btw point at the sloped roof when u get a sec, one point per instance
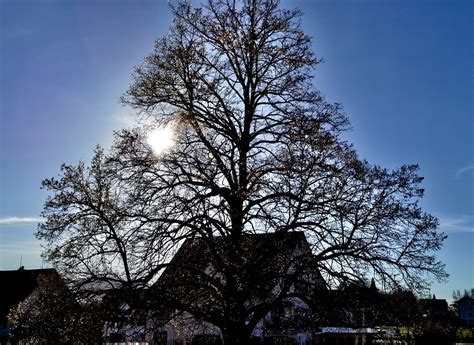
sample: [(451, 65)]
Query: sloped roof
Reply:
[(258, 260), (465, 299), (263, 250), (18, 285), (434, 303)]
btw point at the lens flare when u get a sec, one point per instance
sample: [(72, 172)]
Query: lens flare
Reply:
[(160, 139)]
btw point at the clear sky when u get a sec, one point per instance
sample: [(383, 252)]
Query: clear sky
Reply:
[(403, 70)]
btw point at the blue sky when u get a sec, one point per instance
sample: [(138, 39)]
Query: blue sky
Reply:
[(402, 69)]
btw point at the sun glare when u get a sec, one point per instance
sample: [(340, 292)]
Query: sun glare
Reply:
[(160, 139)]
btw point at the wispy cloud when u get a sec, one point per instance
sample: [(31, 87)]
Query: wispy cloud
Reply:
[(16, 220), (462, 223), (467, 169)]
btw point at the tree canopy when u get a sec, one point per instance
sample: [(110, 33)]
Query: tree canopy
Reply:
[(257, 149), (52, 315)]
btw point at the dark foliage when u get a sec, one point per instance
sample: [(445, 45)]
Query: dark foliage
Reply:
[(52, 315), (361, 306)]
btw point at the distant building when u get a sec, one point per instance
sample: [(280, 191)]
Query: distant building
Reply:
[(17, 285), (434, 308), (465, 310)]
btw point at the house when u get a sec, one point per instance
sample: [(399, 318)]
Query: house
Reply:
[(436, 309), (265, 260), (17, 285), (465, 309)]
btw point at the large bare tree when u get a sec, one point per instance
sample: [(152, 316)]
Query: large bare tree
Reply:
[(257, 150)]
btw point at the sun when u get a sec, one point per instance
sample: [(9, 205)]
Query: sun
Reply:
[(160, 139)]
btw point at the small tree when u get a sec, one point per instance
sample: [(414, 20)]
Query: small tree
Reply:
[(52, 315), (457, 295)]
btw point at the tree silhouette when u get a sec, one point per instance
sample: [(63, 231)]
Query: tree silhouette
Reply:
[(257, 150), (52, 315)]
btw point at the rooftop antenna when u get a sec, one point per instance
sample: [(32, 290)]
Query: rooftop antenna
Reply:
[(21, 263)]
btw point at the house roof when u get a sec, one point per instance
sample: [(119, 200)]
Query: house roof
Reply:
[(465, 299), (18, 285), (259, 260), (434, 303), (264, 250)]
